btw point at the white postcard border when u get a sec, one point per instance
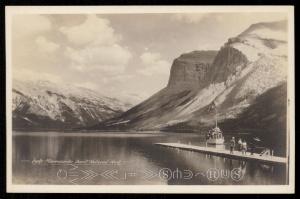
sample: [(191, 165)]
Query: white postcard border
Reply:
[(12, 10)]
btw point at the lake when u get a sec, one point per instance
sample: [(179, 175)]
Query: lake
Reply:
[(128, 158)]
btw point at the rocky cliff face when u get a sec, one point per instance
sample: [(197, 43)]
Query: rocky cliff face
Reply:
[(245, 67), (190, 69), (45, 105)]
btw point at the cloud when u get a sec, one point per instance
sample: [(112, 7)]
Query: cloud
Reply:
[(20, 74), (29, 25), (99, 49), (89, 85), (121, 78), (246, 18), (210, 46), (106, 58), (153, 64), (189, 18), (44, 45), (93, 30)]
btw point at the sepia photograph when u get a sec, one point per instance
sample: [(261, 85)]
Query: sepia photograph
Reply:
[(105, 98)]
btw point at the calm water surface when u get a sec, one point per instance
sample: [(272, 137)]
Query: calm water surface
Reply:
[(128, 158)]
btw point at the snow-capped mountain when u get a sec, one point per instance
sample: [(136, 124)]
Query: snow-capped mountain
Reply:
[(246, 67), (46, 105)]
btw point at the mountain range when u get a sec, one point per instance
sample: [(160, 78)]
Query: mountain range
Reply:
[(44, 105), (245, 81)]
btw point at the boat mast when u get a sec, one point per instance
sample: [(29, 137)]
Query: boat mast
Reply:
[(216, 116)]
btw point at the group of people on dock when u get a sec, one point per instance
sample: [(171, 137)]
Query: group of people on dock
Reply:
[(241, 146), (215, 134)]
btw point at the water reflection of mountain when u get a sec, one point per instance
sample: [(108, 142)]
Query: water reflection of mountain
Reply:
[(134, 154)]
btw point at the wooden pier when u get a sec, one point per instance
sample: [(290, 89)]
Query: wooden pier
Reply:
[(226, 153)]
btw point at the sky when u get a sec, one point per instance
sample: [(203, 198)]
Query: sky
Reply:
[(127, 56)]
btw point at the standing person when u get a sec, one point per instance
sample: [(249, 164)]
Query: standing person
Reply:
[(232, 145), (252, 147), (207, 136), (244, 147), (240, 143)]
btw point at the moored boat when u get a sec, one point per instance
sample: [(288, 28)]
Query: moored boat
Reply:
[(215, 135)]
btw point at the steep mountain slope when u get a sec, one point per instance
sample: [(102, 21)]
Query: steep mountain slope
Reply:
[(268, 112), (262, 67), (188, 75), (45, 105), (265, 118), (247, 66)]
